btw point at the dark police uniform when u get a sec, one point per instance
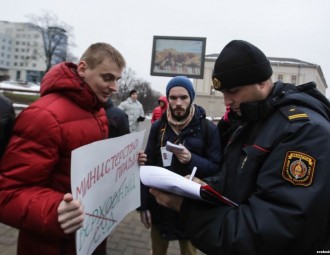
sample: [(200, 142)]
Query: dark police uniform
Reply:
[(276, 167)]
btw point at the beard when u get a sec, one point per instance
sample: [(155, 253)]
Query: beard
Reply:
[(180, 117)]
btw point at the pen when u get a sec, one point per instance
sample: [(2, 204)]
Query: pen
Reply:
[(193, 173)]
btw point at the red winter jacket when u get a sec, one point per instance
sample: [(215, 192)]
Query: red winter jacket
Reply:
[(35, 170), (158, 111)]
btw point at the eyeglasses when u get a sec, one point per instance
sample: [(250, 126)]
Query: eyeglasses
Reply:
[(176, 97)]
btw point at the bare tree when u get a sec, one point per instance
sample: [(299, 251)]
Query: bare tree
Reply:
[(56, 37), (126, 83), (129, 81)]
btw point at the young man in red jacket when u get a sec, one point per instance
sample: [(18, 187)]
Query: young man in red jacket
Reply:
[(35, 190)]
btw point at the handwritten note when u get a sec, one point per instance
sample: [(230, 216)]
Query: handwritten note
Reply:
[(105, 177)]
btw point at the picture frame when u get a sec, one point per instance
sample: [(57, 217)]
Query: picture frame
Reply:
[(175, 55)]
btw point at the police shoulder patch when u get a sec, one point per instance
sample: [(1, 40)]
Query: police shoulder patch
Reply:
[(293, 113), (298, 168)]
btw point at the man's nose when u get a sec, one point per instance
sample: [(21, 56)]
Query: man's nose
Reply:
[(113, 85)]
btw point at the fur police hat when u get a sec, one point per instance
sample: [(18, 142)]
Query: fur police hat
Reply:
[(181, 81), (240, 63)]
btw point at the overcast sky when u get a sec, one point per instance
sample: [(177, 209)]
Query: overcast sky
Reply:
[(280, 28)]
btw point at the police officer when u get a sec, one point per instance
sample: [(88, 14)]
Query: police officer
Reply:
[(275, 167)]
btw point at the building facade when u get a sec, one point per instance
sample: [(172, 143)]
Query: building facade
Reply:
[(285, 69), (22, 51)]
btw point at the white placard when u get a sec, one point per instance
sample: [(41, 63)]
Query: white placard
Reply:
[(105, 177)]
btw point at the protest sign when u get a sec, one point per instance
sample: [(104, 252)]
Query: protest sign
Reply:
[(105, 177)]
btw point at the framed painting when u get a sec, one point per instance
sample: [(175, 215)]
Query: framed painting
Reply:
[(172, 56)]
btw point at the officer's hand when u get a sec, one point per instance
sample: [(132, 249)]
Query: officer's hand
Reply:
[(183, 156), (70, 214), (145, 217), (171, 201)]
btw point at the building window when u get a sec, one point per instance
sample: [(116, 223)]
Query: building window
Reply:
[(294, 79), (280, 77)]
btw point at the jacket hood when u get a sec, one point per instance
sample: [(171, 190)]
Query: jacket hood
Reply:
[(163, 99), (63, 78)]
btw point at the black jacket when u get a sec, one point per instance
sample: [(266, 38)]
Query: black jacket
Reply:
[(117, 119), (276, 168), (7, 119), (206, 156)]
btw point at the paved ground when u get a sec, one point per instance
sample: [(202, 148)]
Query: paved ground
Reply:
[(129, 238)]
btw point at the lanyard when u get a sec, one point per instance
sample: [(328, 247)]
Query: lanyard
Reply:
[(163, 130)]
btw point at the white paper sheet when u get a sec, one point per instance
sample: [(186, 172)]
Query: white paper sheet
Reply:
[(161, 178)]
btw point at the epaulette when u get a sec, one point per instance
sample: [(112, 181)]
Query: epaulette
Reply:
[(293, 113)]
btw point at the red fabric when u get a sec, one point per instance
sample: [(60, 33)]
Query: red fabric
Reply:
[(35, 170), (158, 111), (225, 116)]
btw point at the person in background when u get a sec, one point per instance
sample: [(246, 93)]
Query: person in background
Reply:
[(186, 124), (159, 110), (35, 185), (118, 120), (134, 109), (275, 165), (7, 120)]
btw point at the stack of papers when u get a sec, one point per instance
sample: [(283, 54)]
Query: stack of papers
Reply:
[(163, 179)]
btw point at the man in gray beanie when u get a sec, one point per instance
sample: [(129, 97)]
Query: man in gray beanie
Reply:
[(275, 165), (183, 124)]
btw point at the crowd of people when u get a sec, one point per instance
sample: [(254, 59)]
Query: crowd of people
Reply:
[(268, 154)]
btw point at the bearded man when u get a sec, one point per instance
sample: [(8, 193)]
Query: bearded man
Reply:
[(184, 124)]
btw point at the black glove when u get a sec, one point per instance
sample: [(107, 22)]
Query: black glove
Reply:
[(140, 118)]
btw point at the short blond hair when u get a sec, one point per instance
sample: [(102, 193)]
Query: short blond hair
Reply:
[(97, 52)]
